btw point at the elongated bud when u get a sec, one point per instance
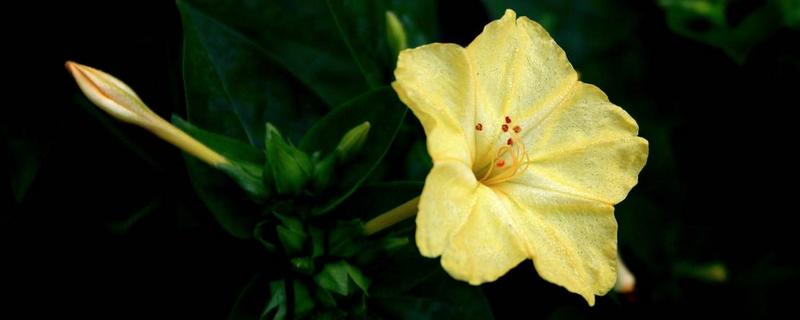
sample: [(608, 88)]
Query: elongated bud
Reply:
[(121, 102), (291, 167), (395, 33), (352, 142)]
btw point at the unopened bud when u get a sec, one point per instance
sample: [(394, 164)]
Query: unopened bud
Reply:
[(352, 142), (291, 167), (121, 102), (395, 33)]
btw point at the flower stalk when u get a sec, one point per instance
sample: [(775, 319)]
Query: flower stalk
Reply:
[(391, 217)]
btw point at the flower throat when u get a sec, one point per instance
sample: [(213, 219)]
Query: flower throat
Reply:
[(510, 159)]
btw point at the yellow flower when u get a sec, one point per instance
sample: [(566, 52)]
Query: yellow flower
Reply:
[(528, 160)]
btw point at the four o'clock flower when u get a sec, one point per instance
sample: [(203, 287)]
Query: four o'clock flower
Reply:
[(528, 160)]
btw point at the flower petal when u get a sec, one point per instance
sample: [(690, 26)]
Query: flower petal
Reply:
[(445, 204), (572, 240), (520, 70), (486, 246), (586, 146), (434, 81)]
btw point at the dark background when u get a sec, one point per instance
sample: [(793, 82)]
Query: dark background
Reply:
[(109, 226)]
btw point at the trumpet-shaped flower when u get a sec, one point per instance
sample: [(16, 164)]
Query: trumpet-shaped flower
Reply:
[(528, 160)]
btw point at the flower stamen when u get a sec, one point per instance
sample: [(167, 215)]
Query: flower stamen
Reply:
[(512, 153)]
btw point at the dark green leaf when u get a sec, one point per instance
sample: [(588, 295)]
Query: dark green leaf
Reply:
[(292, 240), (384, 112), (375, 199), (346, 238), (342, 54), (232, 208), (303, 302), (708, 22), (317, 242), (276, 308), (418, 18), (342, 278), (410, 286), (406, 285), (262, 233), (233, 149), (324, 297), (246, 162), (316, 53), (582, 28), (251, 300), (233, 86)]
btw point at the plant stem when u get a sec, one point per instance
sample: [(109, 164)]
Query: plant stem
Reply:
[(391, 217)]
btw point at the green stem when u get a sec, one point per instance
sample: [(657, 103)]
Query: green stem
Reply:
[(391, 217)]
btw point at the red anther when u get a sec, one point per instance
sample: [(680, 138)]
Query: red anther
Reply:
[(479, 126), (510, 142), (517, 129), (501, 163), (508, 119), (505, 128)]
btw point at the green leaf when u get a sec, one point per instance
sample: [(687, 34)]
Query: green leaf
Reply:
[(314, 53), (324, 297), (276, 308), (342, 278), (385, 114), (372, 200), (582, 28), (358, 278), (233, 86), (250, 302), (263, 235), (404, 284), (303, 302), (706, 21), (233, 149), (346, 238), (333, 277), (292, 240), (791, 12), (246, 162), (341, 55), (317, 242), (419, 20), (232, 208), (409, 286)]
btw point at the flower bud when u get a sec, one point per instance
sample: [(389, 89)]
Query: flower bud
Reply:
[(352, 141), (395, 33), (291, 167), (121, 102)]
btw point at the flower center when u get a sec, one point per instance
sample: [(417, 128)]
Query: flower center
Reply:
[(510, 159)]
